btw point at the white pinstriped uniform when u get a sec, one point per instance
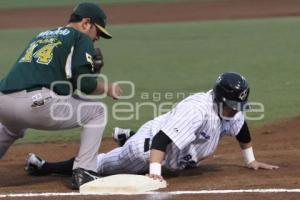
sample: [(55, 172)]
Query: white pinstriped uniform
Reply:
[(194, 127)]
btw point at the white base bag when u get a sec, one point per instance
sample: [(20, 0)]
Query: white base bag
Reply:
[(122, 184)]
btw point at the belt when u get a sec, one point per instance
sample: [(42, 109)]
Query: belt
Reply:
[(27, 90), (33, 89)]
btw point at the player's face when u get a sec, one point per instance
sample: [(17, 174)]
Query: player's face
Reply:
[(94, 33), (228, 112), (90, 29)]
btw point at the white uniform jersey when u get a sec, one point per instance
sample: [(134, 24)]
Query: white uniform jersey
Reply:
[(194, 128)]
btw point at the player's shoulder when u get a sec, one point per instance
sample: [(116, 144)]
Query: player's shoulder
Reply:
[(239, 116), (80, 40), (65, 33), (79, 33), (200, 99), (237, 121), (80, 36), (199, 102), (55, 32)]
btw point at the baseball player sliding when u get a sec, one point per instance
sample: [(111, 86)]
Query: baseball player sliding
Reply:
[(38, 90), (177, 140)]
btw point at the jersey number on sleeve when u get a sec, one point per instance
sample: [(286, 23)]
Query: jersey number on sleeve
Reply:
[(188, 162)]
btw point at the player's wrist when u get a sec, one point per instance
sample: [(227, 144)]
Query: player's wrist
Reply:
[(155, 168), (248, 155)]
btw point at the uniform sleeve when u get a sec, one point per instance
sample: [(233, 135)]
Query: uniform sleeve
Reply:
[(82, 63), (88, 84), (181, 125), (244, 134)]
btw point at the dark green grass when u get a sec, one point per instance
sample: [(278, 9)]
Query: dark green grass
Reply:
[(188, 57)]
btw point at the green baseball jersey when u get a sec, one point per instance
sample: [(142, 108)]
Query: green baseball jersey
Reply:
[(56, 57)]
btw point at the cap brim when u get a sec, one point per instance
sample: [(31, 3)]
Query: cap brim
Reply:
[(104, 32)]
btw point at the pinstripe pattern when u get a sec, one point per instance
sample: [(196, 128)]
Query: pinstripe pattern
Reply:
[(194, 127), (130, 158)]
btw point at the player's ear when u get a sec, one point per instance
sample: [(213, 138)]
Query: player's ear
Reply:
[(86, 23)]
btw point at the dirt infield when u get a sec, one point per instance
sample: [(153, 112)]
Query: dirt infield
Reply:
[(156, 12), (276, 143)]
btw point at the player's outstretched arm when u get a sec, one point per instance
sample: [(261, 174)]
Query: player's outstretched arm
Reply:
[(157, 154), (260, 165), (156, 157), (249, 158)]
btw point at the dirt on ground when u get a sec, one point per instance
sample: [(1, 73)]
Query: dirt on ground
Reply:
[(156, 12), (276, 143)]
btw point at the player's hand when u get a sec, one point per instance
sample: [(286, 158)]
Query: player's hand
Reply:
[(114, 91), (259, 165), (155, 177)]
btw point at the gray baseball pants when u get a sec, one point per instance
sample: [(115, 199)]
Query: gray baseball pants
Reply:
[(44, 110)]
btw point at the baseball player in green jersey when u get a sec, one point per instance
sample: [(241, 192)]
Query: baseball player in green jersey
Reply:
[(38, 91)]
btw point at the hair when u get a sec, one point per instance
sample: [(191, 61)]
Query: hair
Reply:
[(75, 18)]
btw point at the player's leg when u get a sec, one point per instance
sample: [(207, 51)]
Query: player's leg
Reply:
[(55, 113), (121, 135), (8, 137), (93, 121), (132, 158), (10, 129), (36, 166), (42, 109), (91, 116)]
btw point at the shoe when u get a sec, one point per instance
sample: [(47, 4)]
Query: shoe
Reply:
[(81, 176), (120, 135), (33, 165)]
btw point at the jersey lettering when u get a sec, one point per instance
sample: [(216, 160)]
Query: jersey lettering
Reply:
[(43, 55), (187, 157)]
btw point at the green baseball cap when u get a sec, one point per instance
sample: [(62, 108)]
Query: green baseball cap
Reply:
[(96, 14)]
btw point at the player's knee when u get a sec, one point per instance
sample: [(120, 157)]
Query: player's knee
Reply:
[(99, 110), (95, 111), (11, 134), (133, 163), (135, 151)]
